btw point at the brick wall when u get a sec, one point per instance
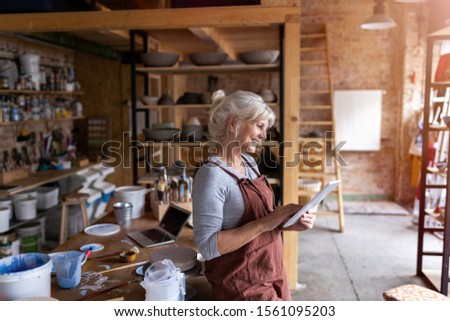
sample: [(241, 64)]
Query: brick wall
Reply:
[(385, 59)]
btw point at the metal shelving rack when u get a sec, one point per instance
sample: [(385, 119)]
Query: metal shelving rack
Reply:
[(438, 279)]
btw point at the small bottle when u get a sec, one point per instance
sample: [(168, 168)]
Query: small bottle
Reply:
[(174, 196), (183, 187), (163, 186)]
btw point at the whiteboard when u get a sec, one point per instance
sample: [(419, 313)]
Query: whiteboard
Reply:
[(357, 115)]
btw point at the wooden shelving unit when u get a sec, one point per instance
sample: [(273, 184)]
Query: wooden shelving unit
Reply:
[(31, 121), (39, 92), (208, 69), (438, 278)]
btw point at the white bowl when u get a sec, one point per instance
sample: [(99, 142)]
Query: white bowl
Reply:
[(149, 100)]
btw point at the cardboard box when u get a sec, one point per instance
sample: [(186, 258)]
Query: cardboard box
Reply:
[(8, 177)]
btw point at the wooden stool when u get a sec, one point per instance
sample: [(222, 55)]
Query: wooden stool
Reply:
[(67, 200), (412, 292)]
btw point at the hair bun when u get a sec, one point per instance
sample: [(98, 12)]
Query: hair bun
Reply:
[(218, 96)]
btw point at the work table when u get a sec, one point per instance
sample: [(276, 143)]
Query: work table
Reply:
[(100, 279)]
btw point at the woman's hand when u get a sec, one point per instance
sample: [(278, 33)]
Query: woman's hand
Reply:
[(305, 222), (278, 216)]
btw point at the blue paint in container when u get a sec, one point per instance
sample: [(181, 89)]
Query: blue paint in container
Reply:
[(25, 275)]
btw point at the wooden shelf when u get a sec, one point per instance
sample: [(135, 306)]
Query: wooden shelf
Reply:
[(37, 179), (185, 106), (200, 143), (39, 92), (207, 69), (180, 144), (23, 122)]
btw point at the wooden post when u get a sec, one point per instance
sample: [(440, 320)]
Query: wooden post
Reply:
[(291, 133)]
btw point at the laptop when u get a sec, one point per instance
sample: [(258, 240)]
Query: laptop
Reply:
[(168, 230)]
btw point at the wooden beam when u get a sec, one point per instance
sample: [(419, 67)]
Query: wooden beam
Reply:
[(296, 3), (146, 19), (212, 37), (291, 139)]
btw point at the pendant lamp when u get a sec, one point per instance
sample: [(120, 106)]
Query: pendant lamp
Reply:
[(379, 20)]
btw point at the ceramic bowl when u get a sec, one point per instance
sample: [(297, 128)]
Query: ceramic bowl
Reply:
[(208, 58), (167, 124), (159, 59), (150, 100), (127, 256), (259, 57), (160, 134)]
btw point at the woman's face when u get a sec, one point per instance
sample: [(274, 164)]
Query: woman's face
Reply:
[(251, 134)]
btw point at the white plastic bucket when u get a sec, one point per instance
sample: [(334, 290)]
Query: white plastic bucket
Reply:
[(25, 209), (7, 202), (30, 235), (134, 195), (24, 195), (25, 275), (106, 189), (92, 201), (4, 219)]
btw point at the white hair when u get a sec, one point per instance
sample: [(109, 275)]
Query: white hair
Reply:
[(245, 106)]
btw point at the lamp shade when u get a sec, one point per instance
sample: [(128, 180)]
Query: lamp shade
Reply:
[(379, 19), (378, 22)]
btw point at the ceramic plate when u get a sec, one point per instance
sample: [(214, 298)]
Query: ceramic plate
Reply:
[(56, 253), (94, 247), (102, 229)]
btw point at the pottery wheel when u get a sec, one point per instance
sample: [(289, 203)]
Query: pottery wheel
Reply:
[(182, 257)]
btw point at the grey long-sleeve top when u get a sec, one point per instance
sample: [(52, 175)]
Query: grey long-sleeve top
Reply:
[(217, 204)]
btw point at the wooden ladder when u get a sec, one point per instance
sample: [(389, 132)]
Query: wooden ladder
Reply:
[(318, 159)]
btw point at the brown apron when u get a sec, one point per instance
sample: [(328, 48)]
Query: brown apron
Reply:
[(255, 271)]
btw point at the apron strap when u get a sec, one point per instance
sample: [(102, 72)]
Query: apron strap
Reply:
[(250, 165)]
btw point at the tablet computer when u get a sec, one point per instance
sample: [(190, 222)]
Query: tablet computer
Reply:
[(320, 196)]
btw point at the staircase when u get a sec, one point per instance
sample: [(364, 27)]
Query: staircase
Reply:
[(317, 131)]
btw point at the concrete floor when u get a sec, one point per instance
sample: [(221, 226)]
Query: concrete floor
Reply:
[(374, 254)]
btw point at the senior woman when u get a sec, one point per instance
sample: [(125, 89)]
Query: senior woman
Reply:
[(237, 226)]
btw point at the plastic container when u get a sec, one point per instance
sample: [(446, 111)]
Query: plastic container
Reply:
[(29, 235), (24, 195), (47, 197), (134, 195), (25, 209), (25, 275), (107, 190), (4, 219), (7, 202), (68, 268), (92, 201), (103, 171), (164, 282), (84, 178)]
